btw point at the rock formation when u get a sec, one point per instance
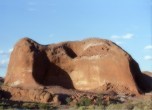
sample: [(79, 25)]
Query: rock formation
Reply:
[(145, 80), (88, 65)]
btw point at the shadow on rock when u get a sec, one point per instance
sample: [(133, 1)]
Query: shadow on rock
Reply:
[(145, 82), (48, 73), (5, 94), (62, 98), (136, 72)]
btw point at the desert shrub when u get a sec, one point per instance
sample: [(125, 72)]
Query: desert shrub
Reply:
[(84, 101), (26, 105), (29, 106), (68, 100), (99, 101), (43, 106)]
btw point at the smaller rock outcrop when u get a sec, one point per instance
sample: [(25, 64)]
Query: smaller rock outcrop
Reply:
[(32, 95)]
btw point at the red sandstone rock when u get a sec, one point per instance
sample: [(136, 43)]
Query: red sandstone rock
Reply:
[(86, 65), (35, 95)]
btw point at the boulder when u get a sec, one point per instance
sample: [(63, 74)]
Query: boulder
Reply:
[(86, 65)]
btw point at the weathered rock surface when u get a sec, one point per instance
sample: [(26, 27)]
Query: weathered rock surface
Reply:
[(34, 95), (87, 65)]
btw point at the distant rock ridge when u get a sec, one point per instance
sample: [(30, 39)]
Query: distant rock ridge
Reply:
[(89, 65)]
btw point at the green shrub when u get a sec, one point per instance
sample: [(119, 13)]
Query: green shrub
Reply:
[(68, 100), (29, 105), (99, 101), (43, 106), (84, 101), (25, 105)]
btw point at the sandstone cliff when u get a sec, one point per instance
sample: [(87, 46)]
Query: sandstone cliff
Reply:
[(90, 65)]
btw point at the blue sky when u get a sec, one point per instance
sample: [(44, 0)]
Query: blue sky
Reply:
[(126, 22)]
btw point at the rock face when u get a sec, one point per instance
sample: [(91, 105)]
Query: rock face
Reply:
[(88, 65)]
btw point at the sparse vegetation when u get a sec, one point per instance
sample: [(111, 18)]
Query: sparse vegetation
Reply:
[(99, 100), (25, 105), (144, 105), (84, 101), (68, 100)]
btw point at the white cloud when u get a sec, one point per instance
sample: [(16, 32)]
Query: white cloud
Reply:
[(3, 53), (148, 47), (148, 57), (126, 36), (10, 50), (4, 63), (4, 58), (6, 52)]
